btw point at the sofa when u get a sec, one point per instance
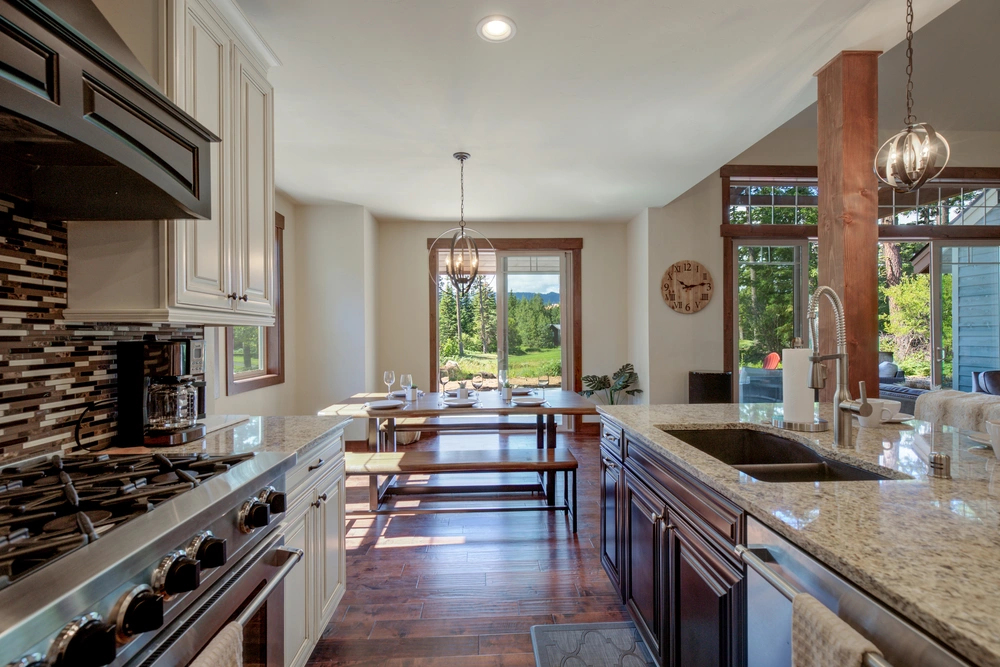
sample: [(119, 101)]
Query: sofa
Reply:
[(892, 386)]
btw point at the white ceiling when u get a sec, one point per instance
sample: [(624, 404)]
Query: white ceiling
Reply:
[(954, 64), (595, 110)]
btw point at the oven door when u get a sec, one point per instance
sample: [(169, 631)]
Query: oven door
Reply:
[(251, 594)]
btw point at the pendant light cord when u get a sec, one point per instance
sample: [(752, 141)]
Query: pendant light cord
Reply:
[(910, 118)]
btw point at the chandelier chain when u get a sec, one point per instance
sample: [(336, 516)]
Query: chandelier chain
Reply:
[(910, 118), (461, 220)]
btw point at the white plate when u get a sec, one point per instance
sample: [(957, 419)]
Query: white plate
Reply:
[(398, 392), (529, 400), (521, 391), (898, 418), (454, 392), (460, 402), (385, 405), (981, 438)]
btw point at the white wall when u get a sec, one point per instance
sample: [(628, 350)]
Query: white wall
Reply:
[(371, 278), (403, 291), (637, 299)]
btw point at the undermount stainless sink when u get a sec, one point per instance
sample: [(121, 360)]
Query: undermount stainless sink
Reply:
[(771, 458)]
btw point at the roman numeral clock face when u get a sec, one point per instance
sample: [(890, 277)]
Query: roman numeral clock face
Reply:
[(687, 287)]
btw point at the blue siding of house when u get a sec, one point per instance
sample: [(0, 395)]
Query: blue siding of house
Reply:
[(975, 315)]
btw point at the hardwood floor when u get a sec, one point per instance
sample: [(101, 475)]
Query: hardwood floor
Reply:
[(463, 590)]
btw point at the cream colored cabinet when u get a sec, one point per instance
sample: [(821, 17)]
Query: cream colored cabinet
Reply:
[(217, 271), (254, 189), (299, 638), (330, 558), (315, 523)]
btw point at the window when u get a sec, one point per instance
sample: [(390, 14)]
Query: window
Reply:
[(937, 259), (255, 356)]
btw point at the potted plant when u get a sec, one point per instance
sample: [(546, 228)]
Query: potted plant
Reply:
[(506, 391), (612, 387), (412, 392)]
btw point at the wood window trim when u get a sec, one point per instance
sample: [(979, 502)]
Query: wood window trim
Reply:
[(273, 335), (731, 234), (573, 245)]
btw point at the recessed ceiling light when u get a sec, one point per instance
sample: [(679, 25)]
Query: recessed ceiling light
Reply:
[(496, 28)]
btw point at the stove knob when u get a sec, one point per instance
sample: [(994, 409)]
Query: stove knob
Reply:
[(86, 642), (208, 550), (212, 552), (176, 573), (253, 515), (274, 499), (140, 610)]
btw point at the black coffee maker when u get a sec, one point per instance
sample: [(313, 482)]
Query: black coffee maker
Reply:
[(145, 362)]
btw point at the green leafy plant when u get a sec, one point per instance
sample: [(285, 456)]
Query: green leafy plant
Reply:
[(622, 381)]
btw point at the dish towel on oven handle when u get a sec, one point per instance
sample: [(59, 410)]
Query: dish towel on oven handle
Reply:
[(225, 649), (821, 639)]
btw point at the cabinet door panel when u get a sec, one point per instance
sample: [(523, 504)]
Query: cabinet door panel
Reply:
[(610, 536), (645, 570), (331, 551), (707, 600), (299, 627), (255, 188), (202, 273)]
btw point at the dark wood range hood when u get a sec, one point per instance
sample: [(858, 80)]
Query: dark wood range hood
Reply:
[(84, 132)]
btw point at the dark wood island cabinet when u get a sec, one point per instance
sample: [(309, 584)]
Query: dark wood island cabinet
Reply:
[(668, 545)]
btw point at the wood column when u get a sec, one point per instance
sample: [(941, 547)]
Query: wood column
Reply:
[(848, 210)]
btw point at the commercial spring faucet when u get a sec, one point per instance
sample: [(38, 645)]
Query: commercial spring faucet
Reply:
[(843, 405)]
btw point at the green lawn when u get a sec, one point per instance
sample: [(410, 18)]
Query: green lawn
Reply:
[(522, 368)]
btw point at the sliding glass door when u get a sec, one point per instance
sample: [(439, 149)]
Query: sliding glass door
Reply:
[(532, 312), (772, 292), (512, 319), (965, 303)]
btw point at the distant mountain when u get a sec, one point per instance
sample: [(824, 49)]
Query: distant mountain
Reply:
[(549, 298)]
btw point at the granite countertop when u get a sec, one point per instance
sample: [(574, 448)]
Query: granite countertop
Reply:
[(283, 435), (929, 548)]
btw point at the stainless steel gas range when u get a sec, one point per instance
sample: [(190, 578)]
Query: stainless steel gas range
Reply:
[(140, 560)]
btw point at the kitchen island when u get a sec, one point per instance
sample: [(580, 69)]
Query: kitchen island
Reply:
[(927, 548)]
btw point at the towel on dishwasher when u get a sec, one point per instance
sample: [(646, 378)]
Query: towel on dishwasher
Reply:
[(225, 649), (821, 639)]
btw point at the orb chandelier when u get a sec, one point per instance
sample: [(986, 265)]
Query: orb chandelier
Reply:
[(462, 260), (918, 153)]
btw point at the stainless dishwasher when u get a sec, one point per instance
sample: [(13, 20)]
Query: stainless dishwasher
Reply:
[(776, 570)]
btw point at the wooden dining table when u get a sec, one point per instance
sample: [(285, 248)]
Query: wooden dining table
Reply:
[(384, 424)]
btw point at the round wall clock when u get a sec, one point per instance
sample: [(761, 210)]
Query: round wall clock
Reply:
[(687, 287)]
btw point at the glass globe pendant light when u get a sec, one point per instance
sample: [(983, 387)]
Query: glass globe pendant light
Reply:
[(461, 263), (918, 153)]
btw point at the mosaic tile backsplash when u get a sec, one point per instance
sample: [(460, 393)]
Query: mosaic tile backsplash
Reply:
[(52, 369)]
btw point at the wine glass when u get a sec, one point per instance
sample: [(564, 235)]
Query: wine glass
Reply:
[(406, 381), (389, 377), (444, 381), (477, 381), (543, 382)]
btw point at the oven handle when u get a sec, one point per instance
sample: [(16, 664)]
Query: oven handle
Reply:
[(292, 558)]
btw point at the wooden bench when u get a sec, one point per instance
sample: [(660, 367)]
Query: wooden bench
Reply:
[(393, 464)]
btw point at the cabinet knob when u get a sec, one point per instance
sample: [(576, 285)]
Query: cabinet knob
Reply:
[(316, 504), (244, 298), (232, 296), (323, 497), (654, 517)]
